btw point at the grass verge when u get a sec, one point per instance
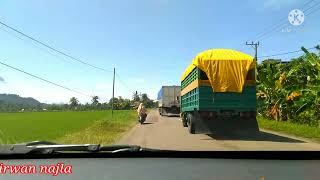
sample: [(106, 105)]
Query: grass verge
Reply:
[(104, 131), (298, 130)]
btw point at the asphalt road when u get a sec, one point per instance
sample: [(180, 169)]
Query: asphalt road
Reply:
[(163, 132)]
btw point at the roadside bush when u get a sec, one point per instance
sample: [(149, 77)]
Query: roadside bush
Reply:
[(308, 117), (290, 91)]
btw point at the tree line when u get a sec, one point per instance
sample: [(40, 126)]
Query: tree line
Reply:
[(119, 103)]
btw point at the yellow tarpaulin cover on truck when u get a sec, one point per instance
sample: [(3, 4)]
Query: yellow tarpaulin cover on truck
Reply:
[(226, 69)]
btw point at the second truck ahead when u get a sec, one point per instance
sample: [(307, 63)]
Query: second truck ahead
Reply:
[(169, 100)]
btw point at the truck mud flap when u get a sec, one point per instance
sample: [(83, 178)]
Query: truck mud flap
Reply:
[(226, 125)]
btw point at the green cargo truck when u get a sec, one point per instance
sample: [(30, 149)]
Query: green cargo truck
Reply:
[(218, 93)]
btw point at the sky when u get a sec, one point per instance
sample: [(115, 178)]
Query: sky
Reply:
[(149, 42)]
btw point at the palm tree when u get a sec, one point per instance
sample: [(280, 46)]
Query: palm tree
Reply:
[(73, 102), (135, 96), (95, 100)]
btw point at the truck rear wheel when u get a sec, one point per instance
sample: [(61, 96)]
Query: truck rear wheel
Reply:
[(184, 121), (162, 110), (190, 121)]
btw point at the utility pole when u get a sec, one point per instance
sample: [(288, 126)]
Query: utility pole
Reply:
[(114, 74), (255, 47)]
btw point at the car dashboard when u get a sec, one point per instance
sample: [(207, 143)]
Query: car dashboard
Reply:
[(167, 168)]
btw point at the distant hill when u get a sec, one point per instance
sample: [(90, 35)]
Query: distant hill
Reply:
[(15, 99)]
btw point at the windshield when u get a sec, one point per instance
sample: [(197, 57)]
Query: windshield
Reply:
[(161, 74)]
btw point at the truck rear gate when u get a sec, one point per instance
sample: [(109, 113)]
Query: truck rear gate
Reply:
[(169, 100), (220, 112)]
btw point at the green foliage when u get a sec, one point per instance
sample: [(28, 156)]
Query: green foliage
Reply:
[(120, 103), (290, 91), (136, 97), (148, 103), (95, 100), (142, 98), (73, 102), (307, 117)]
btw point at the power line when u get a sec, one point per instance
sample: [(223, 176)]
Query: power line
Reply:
[(50, 82), (123, 83), (310, 6), (41, 48), (284, 21), (54, 49), (285, 53), (272, 30), (305, 4), (283, 25), (313, 10), (58, 51)]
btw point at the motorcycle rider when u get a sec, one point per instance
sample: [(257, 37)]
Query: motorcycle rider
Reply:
[(142, 113)]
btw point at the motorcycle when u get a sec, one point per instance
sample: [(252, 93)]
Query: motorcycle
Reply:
[(142, 118)]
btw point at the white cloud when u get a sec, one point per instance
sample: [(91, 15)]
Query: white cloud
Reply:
[(1, 79)]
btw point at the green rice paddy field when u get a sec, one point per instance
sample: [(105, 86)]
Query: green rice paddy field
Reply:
[(65, 127)]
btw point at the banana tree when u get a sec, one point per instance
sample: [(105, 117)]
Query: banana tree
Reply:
[(313, 87), (290, 89), (269, 84)]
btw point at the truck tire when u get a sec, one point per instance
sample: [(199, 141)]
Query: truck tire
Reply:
[(163, 111), (184, 121), (190, 122)]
